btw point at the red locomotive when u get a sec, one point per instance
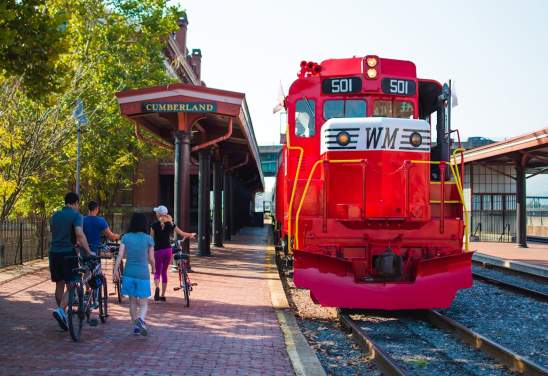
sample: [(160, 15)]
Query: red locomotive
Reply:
[(371, 209)]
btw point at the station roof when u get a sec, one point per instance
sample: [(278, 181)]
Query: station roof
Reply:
[(531, 148), (235, 150)]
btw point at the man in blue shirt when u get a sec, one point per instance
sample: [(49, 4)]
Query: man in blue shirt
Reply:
[(66, 233), (95, 226)]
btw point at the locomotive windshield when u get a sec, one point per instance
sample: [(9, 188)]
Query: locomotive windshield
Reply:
[(344, 109), (395, 109)]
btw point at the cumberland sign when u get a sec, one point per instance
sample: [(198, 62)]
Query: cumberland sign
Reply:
[(178, 107)]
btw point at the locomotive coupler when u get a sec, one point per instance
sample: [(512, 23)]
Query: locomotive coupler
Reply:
[(389, 264)]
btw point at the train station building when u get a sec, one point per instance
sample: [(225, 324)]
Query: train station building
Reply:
[(211, 167), (495, 188)]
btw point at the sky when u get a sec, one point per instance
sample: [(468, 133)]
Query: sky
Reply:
[(496, 52)]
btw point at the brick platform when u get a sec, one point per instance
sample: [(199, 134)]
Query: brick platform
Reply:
[(536, 253), (230, 327)]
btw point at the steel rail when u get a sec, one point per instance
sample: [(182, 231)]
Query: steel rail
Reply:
[(506, 269), (385, 363), (512, 360), (512, 287)]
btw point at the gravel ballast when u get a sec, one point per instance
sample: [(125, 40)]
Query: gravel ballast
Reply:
[(338, 353), (421, 349), (512, 277), (510, 319)]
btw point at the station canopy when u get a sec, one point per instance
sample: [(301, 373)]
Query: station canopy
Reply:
[(212, 116), (531, 150)]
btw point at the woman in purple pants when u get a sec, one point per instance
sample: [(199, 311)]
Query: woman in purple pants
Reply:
[(161, 231)]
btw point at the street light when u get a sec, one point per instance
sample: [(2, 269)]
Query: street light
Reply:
[(81, 121)]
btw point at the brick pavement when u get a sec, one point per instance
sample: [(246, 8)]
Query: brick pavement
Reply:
[(230, 327)]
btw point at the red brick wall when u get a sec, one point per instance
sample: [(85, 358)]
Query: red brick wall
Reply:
[(146, 187)]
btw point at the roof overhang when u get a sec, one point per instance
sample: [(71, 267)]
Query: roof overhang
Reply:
[(530, 149), (205, 126)]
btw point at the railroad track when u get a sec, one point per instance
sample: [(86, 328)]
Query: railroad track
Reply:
[(389, 366), (512, 287)]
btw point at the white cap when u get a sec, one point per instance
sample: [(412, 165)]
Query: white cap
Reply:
[(161, 210)]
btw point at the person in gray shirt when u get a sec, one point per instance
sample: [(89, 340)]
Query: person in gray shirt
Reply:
[(66, 234)]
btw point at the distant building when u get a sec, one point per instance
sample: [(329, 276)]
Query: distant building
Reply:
[(269, 158), (474, 142)]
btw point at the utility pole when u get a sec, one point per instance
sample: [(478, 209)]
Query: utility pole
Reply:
[(81, 120)]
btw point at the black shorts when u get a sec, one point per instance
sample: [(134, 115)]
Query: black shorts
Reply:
[(61, 265)]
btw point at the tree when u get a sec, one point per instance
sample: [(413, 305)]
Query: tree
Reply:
[(32, 39), (113, 45), (32, 137)]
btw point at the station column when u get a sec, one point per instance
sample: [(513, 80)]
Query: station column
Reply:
[(182, 180), (204, 234), (521, 204), (217, 203), (227, 196)]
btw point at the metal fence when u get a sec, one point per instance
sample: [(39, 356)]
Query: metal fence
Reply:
[(28, 239), (493, 218), (23, 240)]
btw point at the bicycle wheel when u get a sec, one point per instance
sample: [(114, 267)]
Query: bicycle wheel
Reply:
[(185, 286), (75, 311), (103, 301)]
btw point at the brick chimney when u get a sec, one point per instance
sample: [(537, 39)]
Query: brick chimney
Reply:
[(180, 35), (196, 61)]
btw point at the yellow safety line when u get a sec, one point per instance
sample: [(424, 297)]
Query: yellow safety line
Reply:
[(301, 202), (301, 152), (446, 201)]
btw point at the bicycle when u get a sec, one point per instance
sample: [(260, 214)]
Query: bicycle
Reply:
[(112, 248), (182, 260), (91, 284)]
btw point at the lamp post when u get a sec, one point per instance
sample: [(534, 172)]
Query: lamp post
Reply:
[(81, 120)]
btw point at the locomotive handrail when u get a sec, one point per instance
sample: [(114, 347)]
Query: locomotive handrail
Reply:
[(305, 191), (294, 189), (458, 183), (454, 169)]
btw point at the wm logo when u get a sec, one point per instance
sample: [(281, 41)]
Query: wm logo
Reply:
[(375, 135)]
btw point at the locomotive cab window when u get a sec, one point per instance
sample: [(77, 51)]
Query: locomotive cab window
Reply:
[(305, 118), (344, 109), (395, 109)]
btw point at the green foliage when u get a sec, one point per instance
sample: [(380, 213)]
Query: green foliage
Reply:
[(113, 45), (32, 39)]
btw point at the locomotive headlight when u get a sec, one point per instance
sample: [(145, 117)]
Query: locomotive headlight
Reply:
[(415, 139), (343, 138), (371, 61), (371, 73)]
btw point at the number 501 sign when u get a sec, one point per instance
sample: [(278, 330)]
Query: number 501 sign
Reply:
[(342, 85), (398, 86)]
